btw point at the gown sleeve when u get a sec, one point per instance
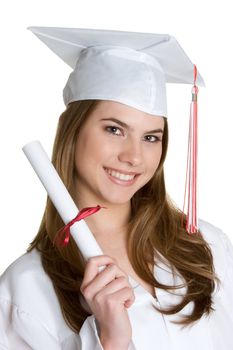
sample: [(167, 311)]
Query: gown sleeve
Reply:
[(89, 335), (220, 324), (226, 290), (19, 330)]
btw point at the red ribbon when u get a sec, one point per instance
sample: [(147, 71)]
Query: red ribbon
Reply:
[(62, 237)]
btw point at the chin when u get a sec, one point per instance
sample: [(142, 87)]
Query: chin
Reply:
[(117, 198)]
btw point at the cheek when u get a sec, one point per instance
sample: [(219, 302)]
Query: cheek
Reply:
[(153, 160), (92, 150)]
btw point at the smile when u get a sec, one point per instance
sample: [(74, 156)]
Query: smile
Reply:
[(119, 175), (121, 178)]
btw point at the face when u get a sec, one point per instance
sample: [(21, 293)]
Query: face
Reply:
[(117, 152)]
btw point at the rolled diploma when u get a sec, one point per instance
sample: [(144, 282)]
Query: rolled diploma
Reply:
[(61, 199)]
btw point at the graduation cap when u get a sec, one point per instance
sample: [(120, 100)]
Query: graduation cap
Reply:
[(131, 68)]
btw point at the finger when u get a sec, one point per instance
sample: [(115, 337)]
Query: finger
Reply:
[(92, 268), (122, 296), (107, 285), (129, 302), (110, 273), (112, 287), (103, 279)]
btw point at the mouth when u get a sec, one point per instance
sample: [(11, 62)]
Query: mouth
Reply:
[(121, 178)]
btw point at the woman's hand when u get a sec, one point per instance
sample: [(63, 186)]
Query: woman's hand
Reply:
[(109, 294)]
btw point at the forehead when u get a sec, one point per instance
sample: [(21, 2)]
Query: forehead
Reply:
[(127, 114)]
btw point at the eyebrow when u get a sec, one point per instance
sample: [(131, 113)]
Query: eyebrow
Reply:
[(129, 128)]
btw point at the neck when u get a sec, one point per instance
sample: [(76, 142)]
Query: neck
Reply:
[(108, 223)]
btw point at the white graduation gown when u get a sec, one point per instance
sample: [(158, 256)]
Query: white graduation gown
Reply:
[(30, 315)]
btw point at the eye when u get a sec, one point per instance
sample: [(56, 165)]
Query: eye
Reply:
[(153, 138), (118, 131), (113, 130)]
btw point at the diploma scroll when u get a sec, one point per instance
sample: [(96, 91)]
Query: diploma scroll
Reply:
[(61, 199)]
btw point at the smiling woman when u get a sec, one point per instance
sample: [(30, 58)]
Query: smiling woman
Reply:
[(162, 284), (104, 158)]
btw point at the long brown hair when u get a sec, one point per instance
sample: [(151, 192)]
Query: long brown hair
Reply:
[(155, 227)]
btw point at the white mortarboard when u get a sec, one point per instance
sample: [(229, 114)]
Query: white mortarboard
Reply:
[(126, 67), (131, 68)]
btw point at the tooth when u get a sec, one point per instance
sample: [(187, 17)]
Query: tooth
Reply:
[(119, 175)]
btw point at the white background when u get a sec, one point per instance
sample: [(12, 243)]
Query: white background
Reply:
[(32, 80)]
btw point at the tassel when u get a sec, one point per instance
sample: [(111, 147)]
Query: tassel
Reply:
[(191, 171)]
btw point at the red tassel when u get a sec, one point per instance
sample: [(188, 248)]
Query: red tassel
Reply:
[(191, 171)]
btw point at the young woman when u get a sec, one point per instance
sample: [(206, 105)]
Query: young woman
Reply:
[(162, 288)]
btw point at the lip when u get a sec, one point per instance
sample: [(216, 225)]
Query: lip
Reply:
[(122, 172), (121, 182)]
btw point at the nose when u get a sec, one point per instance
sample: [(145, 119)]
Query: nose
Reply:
[(131, 152)]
